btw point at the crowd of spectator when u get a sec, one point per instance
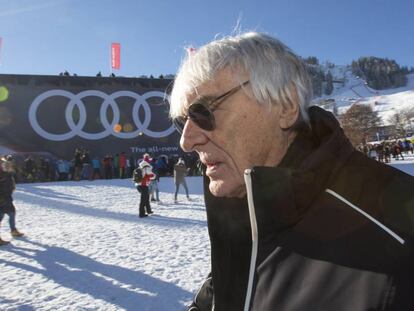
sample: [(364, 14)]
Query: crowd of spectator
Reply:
[(384, 151), (112, 75), (84, 166)]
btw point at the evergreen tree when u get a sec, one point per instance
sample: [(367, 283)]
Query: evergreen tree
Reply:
[(329, 84), (317, 77), (311, 60), (380, 73)]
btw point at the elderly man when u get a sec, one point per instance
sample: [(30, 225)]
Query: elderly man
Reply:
[(297, 218)]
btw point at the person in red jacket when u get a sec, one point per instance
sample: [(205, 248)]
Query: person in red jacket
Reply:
[(142, 187)]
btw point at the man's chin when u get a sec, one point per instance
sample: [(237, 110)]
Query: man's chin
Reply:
[(216, 189), (221, 188)]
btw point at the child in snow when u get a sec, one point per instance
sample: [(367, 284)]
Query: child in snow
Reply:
[(142, 184)]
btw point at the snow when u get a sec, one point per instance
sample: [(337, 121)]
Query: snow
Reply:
[(4, 150), (406, 165), (86, 249), (355, 90)]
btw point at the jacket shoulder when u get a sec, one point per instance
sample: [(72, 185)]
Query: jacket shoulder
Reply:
[(378, 189)]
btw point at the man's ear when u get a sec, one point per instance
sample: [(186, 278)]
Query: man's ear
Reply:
[(289, 110)]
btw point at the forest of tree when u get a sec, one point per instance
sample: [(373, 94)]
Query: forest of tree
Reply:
[(320, 83), (380, 73)]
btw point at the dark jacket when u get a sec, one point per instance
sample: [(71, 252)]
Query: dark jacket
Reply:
[(180, 171), (7, 186), (334, 232)]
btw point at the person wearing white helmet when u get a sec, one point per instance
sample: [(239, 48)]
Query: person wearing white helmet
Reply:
[(142, 177)]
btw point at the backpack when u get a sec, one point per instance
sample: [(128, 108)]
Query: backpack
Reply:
[(137, 175)]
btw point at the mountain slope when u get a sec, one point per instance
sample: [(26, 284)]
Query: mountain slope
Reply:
[(350, 89)]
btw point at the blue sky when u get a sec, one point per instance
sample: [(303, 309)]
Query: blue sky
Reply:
[(49, 36)]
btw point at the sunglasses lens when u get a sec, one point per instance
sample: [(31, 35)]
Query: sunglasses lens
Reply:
[(179, 124), (201, 116)]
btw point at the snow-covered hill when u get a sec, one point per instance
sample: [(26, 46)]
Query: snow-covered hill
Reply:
[(350, 89)]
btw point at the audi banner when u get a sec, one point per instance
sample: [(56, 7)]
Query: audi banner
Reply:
[(57, 114)]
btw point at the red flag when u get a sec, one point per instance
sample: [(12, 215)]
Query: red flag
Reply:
[(116, 55)]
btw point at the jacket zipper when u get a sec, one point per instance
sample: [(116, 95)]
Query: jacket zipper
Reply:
[(253, 224)]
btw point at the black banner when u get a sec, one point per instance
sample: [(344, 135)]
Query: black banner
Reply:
[(57, 114)]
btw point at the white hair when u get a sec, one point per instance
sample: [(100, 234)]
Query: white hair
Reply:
[(275, 72)]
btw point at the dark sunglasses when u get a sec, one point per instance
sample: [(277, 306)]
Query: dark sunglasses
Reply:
[(201, 111)]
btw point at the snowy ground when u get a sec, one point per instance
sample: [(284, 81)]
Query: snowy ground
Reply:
[(406, 165), (86, 248)]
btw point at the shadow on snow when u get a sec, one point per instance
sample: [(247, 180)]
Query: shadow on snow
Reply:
[(125, 288)]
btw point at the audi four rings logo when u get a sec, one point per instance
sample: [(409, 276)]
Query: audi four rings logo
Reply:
[(108, 100)]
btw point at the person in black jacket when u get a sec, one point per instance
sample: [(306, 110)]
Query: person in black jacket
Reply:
[(297, 218), (7, 186)]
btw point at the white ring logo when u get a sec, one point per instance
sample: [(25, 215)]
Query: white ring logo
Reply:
[(109, 100)]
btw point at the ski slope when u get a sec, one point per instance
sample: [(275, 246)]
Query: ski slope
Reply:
[(355, 90)]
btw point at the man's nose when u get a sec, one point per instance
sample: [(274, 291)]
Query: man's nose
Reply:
[(192, 136)]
